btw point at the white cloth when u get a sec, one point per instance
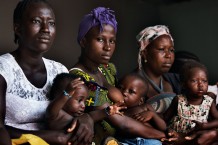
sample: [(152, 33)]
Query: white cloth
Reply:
[(25, 103), (214, 90)]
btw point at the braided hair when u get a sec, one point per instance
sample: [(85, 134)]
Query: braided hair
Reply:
[(19, 11)]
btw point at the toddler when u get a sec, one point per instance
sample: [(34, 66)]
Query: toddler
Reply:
[(191, 110)]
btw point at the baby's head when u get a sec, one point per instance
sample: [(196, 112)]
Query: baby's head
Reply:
[(98, 17), (75, 105), (194, 78), (134, 89)]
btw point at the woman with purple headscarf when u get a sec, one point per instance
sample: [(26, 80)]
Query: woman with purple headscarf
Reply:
[(97, 39)]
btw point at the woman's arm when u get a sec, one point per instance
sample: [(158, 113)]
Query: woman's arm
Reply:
[(5, 138), (171, 111), (158, 122), (131, 127)]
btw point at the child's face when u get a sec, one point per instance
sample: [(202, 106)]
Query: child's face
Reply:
[(133, 90), (197, 83), (75, 106), (99, 47)]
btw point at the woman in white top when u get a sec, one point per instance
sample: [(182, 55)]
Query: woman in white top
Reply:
[(26, 76)]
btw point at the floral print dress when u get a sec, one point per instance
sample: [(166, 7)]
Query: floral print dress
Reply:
[(187, 113)]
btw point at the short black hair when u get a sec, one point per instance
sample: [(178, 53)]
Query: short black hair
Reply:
[(187, 67), (138, 76), (59, 84), (20, 9)]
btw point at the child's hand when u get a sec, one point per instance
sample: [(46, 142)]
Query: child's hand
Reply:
[(72, 126), (73, 85), (115, 108), (144, 116)]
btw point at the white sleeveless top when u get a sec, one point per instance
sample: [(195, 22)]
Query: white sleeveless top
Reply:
[(25, 103)]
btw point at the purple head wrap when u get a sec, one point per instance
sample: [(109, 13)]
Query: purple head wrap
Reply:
[(98, 16)]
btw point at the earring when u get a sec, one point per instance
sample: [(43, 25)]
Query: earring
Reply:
[(145, 60)]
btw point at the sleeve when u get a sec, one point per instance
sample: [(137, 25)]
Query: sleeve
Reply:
[(5, 69)]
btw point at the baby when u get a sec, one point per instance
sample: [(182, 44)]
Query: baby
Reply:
[(69, 94), (134, 88)]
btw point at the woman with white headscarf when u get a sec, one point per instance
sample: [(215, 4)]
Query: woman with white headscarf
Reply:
[(155, 58)]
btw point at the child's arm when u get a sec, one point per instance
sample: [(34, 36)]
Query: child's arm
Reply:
[(154, 119), (107, 110), (56, 117), (158, 122)]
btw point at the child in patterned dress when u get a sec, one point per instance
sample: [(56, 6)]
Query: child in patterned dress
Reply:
[(193, 110)]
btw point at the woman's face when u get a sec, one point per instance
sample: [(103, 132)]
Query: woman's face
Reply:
[(98, 46), (37, 29), (159, 55)]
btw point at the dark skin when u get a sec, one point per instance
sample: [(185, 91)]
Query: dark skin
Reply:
[(97, 48), (160, 57), (36, 33), (73, 106), (196, 85), (134, 89)]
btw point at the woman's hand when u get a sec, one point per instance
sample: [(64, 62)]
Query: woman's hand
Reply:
[(174, 138), (83, 130), (206, 137)]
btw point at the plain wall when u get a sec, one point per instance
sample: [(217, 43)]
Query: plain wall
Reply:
[(193, 25), (69, 14)]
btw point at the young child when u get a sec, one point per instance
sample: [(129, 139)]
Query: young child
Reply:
[(191, 110), (69, 93), (134, 89)]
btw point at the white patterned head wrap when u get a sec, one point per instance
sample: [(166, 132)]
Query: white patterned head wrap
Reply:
[(149, 34)]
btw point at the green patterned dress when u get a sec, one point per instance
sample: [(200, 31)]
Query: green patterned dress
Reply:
[(98, 96)]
